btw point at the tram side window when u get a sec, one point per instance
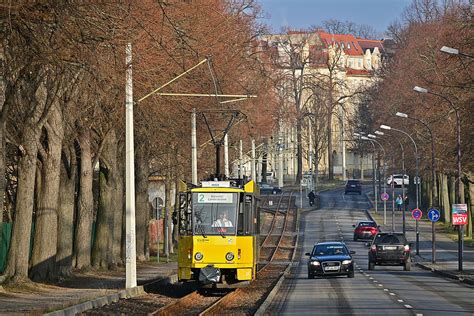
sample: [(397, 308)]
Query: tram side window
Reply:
[(184, 216)]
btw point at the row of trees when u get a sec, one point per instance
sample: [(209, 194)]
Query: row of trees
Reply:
[(426, 26), (62, 117)]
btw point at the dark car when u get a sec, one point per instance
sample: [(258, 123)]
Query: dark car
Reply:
[(330, 258), (365, 230), (353, 186), (390, 249), (266, 189)]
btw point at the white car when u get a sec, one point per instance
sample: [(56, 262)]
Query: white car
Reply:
[(397, 179)]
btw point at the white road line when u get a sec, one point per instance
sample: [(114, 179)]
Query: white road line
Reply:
[(371, 278), (400, 301), (386, 290), (419, 314), (393, 294), (408, 306), (380, 284)]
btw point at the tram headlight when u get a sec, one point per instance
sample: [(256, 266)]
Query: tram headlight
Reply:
[(198, 256), (229, 256)]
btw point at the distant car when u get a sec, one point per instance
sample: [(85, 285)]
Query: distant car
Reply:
[(397, 179), (266, 189), (330, 258), (353, 186), (365, 230), (390, 249)]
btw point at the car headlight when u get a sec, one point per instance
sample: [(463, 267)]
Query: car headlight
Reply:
[(198, 256), (346, 262), (229, 256), (315, 263)]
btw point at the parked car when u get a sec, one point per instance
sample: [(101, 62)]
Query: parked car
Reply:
[(365, 230), (330, 258), (390, 249), (266, 189), (353, 186), (397, 179)]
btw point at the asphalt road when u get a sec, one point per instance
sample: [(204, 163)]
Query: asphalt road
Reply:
[(387, 290)]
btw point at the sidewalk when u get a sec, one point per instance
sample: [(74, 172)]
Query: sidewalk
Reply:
[(38, 298), (446, 249)]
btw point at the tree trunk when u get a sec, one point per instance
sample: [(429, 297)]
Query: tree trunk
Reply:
[(2, 168), (17, 265), (445, 199), (85, 204), (102, 255), (119, 207), (299, 152), (452, 189), (67, 191), (330, 158), (141, 203), (43, 260)]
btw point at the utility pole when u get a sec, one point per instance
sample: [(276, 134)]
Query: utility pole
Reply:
[(226, 155), (194, 148), (241, 173), (252, 166), (130, 244)]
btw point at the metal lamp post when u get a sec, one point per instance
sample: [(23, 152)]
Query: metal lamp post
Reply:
[(434, 193), (453, 51), (417, 180), (373, 173), (459, 182), (383, 176)]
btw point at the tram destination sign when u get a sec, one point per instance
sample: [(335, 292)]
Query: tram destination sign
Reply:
[(215, 197)]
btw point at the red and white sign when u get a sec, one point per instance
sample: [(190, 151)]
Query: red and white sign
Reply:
[(459, 214)]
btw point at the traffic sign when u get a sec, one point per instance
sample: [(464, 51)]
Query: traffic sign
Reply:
[(459, 214), (384, 196), (416, 213), (434, 215), (304, 182)]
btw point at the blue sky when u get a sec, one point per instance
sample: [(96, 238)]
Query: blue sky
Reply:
[(305, 13)]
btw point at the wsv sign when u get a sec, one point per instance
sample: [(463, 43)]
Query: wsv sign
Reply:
[(459, 214)]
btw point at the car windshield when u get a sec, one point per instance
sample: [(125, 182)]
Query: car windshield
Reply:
[(329, 250), (390, 239), (366, 224), (214, 213)]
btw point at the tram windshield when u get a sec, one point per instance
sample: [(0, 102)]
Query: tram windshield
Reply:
[(215, 213)]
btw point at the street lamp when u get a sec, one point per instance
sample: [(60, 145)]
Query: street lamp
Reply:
[(383, 176), (434, 193), (403, 184), (373, 173), (453, 51), (459, 182), (417, 180)]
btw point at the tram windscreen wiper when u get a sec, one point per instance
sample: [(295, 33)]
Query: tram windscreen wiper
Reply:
[(221, 231), (200, 229)]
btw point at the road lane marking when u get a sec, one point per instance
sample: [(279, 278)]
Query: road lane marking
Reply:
[(400, 301), (408, 306), (386, 290), (392, 293)]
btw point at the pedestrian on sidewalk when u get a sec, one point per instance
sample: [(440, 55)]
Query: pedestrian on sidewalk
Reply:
[(311, 197), (399, 202)]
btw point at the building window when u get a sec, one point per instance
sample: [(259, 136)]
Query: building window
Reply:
[(348, 45)]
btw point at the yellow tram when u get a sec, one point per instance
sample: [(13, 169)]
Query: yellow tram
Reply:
[(218, 233)]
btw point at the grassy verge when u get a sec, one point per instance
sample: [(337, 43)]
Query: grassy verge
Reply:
[(453, 234)]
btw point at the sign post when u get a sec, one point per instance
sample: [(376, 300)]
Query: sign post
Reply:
[(459, 212), (434, 216), (384, 196), (157, 207)]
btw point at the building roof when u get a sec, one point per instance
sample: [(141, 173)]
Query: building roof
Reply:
[(370, 44), (348, 42)]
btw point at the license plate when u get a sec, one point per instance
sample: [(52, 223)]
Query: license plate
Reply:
[(390, 247), (353, 186), (331, 268)]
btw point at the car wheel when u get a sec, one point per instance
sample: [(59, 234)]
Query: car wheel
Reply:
[(345, 193), (407, 266), (355, 238), (310, 276), (371, 265), (360, 193), (350, 274)]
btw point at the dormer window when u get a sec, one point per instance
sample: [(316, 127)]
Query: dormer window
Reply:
[(348, 45)]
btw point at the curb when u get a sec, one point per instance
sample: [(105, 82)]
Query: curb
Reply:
[(268, 300), (445, 274), (99, 302), (112, 298)]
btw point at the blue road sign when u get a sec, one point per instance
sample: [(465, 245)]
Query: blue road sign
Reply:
[(434, 215), (416, 213)]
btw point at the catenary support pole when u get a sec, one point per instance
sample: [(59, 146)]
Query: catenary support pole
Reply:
[(130, 245), (194, 148)]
